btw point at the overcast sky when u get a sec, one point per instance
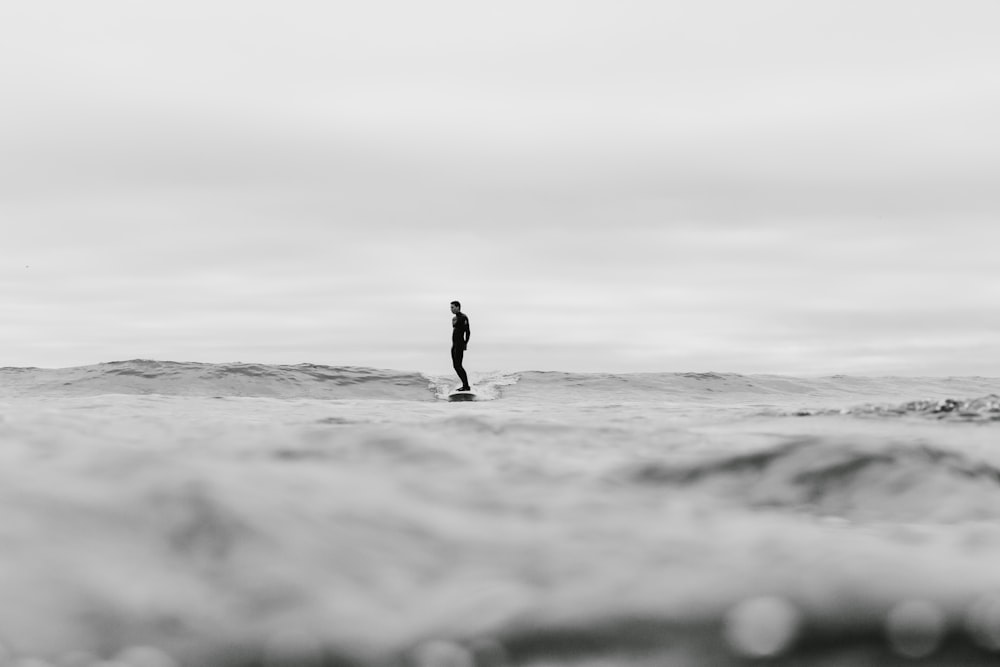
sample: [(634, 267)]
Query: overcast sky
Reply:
[(626, 185)]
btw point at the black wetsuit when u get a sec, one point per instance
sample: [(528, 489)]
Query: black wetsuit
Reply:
[(459, 339)]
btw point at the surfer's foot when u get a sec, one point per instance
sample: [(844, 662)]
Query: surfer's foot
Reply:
[(465, 389)]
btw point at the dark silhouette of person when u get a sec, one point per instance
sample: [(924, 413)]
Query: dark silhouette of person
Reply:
[(460, 334)]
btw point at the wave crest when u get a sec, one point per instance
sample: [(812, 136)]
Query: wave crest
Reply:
[(147, 376), (982, 409)]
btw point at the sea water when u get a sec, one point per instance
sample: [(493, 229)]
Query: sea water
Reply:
[(157, 513)]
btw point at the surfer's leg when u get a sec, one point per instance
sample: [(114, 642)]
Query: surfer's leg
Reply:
[(457, 354)]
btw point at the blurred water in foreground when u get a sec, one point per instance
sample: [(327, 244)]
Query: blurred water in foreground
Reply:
[(158, 514)]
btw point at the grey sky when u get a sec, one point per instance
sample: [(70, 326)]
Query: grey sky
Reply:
[(791, 187)]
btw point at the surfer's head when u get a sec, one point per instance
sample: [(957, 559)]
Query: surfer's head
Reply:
[(455, 306)]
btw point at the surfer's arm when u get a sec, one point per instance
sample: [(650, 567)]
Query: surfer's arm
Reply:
[(468, 332)]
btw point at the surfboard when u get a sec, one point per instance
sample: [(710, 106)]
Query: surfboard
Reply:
[(462, 396)]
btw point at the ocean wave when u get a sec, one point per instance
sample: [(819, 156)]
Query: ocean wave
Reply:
[(982, 409), (251, 532), (822, 395), (837, 390), (678, 384), (828, 476), (488, 386), (147, 376)]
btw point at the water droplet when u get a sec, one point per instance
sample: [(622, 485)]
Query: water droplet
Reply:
[(915, 628), (761, 627)]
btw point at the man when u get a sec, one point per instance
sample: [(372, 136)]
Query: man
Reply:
[(460, 334)]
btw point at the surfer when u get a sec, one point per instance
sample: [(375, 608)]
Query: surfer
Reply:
[(459, 341)]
